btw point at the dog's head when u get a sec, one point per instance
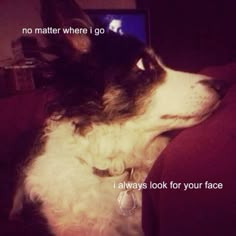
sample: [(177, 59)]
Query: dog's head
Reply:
[(114, 78)]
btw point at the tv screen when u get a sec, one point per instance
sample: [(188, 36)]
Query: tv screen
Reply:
[(131, 22)]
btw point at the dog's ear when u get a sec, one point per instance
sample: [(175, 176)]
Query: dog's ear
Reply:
[(62, 14)]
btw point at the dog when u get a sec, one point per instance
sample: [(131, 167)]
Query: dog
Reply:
[(115, 102)]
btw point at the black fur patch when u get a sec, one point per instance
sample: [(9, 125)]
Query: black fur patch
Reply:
[(105, 84)]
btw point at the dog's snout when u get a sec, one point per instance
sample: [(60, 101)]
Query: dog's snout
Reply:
[(219, 86)]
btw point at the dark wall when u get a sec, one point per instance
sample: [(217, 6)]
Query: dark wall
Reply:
[(189, 35)]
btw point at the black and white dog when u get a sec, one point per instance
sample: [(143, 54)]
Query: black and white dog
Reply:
[(115, 100)]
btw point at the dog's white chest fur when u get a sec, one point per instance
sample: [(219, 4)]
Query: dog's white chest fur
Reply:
[(63, 179)]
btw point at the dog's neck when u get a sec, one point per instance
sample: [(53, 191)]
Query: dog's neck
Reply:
[(125, 142)]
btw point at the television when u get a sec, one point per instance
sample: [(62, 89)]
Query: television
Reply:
[(131, 22)]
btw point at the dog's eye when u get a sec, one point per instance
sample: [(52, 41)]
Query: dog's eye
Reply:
[(140, 64)]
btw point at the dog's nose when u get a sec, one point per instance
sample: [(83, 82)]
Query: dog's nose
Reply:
[(219, 86)]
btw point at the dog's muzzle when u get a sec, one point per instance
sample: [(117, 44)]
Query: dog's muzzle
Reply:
[(219, 86)]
